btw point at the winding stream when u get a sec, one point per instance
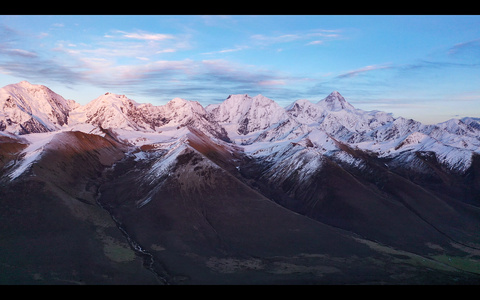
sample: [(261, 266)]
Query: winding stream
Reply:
[(148, 259)]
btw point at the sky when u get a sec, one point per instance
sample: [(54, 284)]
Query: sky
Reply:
[(425, 67)]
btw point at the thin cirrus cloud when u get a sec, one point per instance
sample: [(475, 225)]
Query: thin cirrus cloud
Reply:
[(465, 46), (119, 53), (239, 48), (119, 48), (146, 36), (317, 42), (365, 69), (139, 44), (20, 52), (319, 36), (292, 37), (272, 82)]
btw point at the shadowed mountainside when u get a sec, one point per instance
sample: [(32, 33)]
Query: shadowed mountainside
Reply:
[(243, 192)]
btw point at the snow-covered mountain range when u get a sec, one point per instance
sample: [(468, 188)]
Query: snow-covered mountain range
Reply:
[(243, 191), (257, 123)]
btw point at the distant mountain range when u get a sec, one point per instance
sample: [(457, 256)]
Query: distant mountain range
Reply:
[(240, 192)]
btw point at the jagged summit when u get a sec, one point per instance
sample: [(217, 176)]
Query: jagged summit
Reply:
[(247, 114), (335, 102), (306, 111), (29, 108), (109, 110), (119, 112)]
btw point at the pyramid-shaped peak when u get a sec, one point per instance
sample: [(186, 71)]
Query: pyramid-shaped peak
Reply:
[(262, 97), (335, 101), (334, 96)]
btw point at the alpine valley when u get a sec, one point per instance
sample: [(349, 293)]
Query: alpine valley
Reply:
[(240, 192)]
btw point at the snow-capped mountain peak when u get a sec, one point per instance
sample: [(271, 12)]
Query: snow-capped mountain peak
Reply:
[(109, 111), (305, 111), (335, 102), (247, 114), (232, 109), (184, 107), (115, 101), (27, 108)]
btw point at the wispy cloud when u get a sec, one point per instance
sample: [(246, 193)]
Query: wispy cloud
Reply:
[(317, 42), (190, 78), (423, 66), (272, 82), (365, 69), (221, 70), (162, 69), (26, 63), (135, 61), (275, 39), (19, 52), (121, 48), (143, 35), (132, 61), (239, 48), (460, 47), (168, 50), (118, 44), (298, 36)]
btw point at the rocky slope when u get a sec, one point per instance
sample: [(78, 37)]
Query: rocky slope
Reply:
[(242, 192)]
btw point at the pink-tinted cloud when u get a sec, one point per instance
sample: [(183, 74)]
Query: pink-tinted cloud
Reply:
[(356, 72)]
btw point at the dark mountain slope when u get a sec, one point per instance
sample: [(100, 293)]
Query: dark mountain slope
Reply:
[(367, 199), (10, 149), (53, 232), (199, 224), (431, 202)]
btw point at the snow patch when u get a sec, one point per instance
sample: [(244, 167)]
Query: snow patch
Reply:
[(37, 142)]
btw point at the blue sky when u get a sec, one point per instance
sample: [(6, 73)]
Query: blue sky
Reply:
[(424, 67)]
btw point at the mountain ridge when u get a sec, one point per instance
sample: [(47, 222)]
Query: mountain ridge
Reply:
[(244, 191), (245, 120), (333, 102)]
